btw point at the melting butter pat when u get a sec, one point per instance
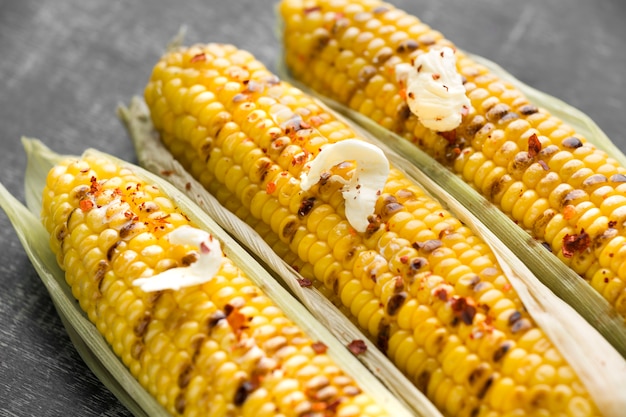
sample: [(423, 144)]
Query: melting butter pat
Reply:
[(208, 262), (434, 89), (361, 191)]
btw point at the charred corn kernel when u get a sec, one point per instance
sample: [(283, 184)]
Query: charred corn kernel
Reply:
[(217, 348), (531, 153), (427, 291)]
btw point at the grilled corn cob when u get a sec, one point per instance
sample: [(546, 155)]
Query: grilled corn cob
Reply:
[(219, 347), (425, 288), (535, 168)]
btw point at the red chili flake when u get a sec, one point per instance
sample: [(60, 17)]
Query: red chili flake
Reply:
[(464, 309), (161, 219), (319, 347), (441, 293), (506, 287), (270, 187), (201, 57), (86, 205), (575, 243), (316, 408), (236, 320), (534, 145), (402, 94), (436, 76), (404, 259), (357, 347), (352, 232), (298, 159), (96, 188), (476, 334), (278, 143), (304, 282), (569, 211), (450, 136)]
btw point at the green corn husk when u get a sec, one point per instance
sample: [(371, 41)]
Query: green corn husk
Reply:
[(94, 349), (553, 273), (598, 364)]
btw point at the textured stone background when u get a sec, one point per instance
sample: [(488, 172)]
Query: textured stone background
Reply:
[(66, 64)]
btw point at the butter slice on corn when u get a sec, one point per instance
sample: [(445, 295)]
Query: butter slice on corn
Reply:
[(425, 288), (219, 347)]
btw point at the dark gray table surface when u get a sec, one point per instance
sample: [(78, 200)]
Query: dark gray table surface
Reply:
[(66, 64)]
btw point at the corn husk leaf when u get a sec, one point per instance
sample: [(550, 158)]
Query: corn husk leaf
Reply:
[(94, 348), (153, 156), (553, 273)]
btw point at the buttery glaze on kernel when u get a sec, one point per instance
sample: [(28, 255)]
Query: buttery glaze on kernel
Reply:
[(427, 291), (217, 349), (328, 42)]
